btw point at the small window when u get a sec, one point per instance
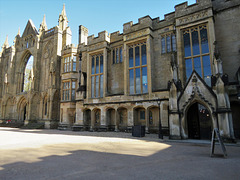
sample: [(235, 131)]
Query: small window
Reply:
[(168, 43), (142, 115), (117, 55), (97, 76), (69, 90)]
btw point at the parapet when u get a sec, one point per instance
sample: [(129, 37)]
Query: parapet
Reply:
[(184, 9), (143, 22), (102, 36), (69, 49), (116, 36), (49, 32)]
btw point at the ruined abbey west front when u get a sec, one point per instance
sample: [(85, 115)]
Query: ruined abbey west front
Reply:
[(181, 72)]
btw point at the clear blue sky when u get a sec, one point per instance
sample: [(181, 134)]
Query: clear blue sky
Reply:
[(96, 15)]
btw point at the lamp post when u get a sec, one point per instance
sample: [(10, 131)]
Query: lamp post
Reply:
[(160, 135)]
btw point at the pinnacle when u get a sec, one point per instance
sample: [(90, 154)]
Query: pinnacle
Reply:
[(6, 44)]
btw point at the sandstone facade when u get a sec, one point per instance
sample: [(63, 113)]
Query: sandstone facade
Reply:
[(182, 72)]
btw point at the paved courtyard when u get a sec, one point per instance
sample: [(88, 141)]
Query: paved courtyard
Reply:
[(55, 155)]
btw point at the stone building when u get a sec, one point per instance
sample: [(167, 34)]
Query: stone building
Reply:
[(182, 72)]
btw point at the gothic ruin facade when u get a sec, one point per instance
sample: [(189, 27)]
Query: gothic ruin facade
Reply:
[(182, 72)]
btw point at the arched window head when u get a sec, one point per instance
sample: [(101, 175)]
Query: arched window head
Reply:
[(28, 73)]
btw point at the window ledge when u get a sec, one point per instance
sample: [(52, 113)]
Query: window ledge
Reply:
[(138, 94)]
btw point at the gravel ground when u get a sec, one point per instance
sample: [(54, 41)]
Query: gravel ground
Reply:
[(54, 155)]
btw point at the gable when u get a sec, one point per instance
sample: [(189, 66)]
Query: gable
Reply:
[(30, 29), (196, 88)]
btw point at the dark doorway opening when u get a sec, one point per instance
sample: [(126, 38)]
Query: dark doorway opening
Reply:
[(199, 122), (236, 120), (25, 113)]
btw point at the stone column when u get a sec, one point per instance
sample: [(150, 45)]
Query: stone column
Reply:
[(180, 56), (79, 115), (104, 72), (125, 68), (149, 62), (147, 120), (130, 119), (211, 40), (88, 88), (103, 120), (116, 121), (92, 120)]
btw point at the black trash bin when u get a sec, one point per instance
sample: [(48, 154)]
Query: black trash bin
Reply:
[(138, 131)]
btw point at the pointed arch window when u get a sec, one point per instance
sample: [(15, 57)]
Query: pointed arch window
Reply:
[(28, 73)]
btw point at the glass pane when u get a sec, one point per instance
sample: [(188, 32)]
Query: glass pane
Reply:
[(204, 41), (74, 66), (131, 81), (168, 44), (138, 81), (120, 54), (137, 57), (130, 57), (63, 96), (73, 94), (188, 64), (74, 58), (92, 87), (113, 56), (144, 55), (101, 86), (65, 67), (195, 42), (207, 79), (163, 45), (67, 95), (142, 115), (117, 56), (144, 80), (97, 64), (174, 47), (197, 66), (187, 48), (97, 86), (93, 60), (101, 64), (206, 66), (73, 85)]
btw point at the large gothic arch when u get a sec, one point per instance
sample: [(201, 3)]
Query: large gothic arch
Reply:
[(21, 69)]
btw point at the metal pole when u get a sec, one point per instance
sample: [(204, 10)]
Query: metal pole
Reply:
[(160, 135)]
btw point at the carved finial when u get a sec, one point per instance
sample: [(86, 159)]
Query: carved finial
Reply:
[(43, 25), (62, 21), (6, 44), (18, 31), (63, 11)]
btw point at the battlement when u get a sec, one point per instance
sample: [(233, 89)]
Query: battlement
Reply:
[(70, 46), (184, 9), (102, 36), (116, 36), (143, 22)]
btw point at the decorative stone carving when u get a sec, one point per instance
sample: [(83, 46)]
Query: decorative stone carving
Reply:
[(194, 17)]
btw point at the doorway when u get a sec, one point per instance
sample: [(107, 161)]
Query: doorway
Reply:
[(199, 122)]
